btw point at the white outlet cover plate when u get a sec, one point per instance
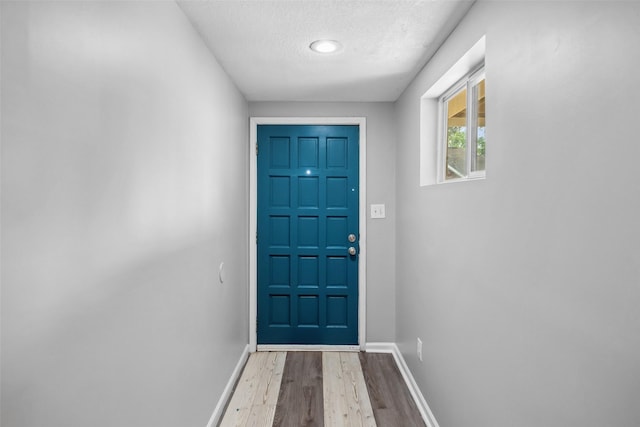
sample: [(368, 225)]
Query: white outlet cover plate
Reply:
[(377, 211)]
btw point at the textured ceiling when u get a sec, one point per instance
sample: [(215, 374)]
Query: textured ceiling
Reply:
[(263, 44)]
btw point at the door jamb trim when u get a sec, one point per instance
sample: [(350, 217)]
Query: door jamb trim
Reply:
[(361, 122)]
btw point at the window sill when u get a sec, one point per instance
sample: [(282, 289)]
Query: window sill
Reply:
[(471, 178)]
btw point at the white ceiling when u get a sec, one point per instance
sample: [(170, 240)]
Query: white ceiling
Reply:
[(264, 44)]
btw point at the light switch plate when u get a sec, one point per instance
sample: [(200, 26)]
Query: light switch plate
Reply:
[(377, 211)]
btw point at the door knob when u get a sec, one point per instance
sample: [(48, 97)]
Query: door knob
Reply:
[(352, 250), (352, 238)]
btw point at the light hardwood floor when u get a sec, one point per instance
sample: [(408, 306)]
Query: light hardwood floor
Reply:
[(321, 389)]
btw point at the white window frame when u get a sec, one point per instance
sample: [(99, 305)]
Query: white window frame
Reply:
[(430, 119), (468, 81)]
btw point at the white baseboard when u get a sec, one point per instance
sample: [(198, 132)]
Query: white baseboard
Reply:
[(423, 407), (218, 412)]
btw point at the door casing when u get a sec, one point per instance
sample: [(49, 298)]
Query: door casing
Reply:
[(361, 122)]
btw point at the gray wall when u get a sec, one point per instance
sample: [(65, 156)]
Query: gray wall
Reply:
[(525, 287), (380, 189), (124, 182)]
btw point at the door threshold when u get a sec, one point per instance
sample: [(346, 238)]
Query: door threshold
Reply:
[(310, 347)]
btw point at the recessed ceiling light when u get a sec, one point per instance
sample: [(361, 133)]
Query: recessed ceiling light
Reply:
[(325, 46)]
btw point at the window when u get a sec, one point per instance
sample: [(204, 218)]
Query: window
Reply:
[(452, 120), (462, 141)]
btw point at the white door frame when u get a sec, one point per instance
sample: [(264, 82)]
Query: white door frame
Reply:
[(253, 221)]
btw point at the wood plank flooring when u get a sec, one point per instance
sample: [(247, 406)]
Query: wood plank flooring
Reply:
[(390, 397), (301, 389), (291, 389)]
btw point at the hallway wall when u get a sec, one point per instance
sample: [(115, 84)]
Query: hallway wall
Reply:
[(524, 287), (124, 185), (380, 189)]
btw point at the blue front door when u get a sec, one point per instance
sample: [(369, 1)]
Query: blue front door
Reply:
[(307, 234)]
